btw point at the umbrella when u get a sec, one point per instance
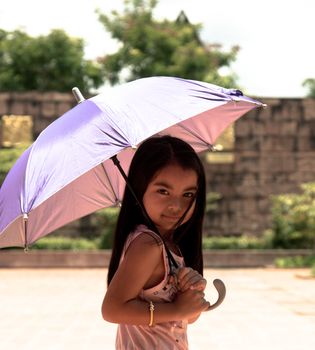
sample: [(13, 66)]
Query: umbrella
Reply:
[(68, 172)]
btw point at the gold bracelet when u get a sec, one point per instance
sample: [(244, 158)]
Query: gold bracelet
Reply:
[(151, 308)]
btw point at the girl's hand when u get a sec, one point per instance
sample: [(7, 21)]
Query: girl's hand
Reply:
[(190, 279), (191, 303)]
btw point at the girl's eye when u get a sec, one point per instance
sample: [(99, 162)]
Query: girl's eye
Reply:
[(189, 194), (162, 191)]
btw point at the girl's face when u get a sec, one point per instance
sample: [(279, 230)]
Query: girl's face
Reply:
[(168, 195)]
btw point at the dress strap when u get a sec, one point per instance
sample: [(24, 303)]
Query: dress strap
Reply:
[(172, 263)]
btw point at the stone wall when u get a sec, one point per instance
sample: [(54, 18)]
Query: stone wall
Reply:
[(43, 107), (274, 153)]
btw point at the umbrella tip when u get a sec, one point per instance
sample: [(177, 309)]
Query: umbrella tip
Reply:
[(77, 95), (212, 148)]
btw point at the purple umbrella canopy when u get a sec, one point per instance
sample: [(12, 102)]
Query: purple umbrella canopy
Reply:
[(67, 172)]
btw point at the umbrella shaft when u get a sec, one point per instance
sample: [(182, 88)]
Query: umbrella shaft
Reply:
[(25, 220)]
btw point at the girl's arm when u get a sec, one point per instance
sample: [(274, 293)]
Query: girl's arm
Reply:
[(121, 305)]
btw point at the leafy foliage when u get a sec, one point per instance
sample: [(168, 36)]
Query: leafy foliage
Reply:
[(212, 199), (295, 261), (105, 242), (310, 85), (65, 243), (45, 63), (293, 219), (152, 48), (106, 222), (242, 242)]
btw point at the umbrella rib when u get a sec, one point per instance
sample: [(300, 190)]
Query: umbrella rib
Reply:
[(110, 184)]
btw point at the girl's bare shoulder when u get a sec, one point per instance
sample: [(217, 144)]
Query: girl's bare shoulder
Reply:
[(145, 245)]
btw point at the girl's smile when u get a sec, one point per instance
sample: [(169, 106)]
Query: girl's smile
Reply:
[(168, 196)]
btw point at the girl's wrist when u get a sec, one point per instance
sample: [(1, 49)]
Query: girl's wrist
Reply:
[(165, 312), (178, 311)]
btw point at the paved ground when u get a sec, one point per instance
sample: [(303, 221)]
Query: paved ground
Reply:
[(55, 309)]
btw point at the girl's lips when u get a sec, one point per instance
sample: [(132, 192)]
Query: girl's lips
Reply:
[(171, 218)]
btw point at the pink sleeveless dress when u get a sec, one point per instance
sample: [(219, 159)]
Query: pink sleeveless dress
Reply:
[(162, 336)]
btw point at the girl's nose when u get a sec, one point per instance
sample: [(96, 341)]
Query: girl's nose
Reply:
[(175, 205)]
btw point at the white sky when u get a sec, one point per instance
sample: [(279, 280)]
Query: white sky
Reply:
[(277, 37)]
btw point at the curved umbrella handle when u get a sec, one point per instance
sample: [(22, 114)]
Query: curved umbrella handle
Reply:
[(220, 287)]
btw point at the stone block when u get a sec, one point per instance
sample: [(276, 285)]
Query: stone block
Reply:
[(243, 128), (272, 127), (249, 205), (4, 103), (59, 97), (250, 179), (303, 130), (307, 176), (277, 163), (263, 205), (258, 129), (305, 144), (290, 109), (235, 205), (63, 107), (48, 109), (249, 191), (248, 165), (23, 96), (288, 128), (270, 102), (294, 108), (309, 109), (246, 144), (16, 129), (17, 108), (264, 114), (306, 162), (40, 125), (33, 107), (50, 96), (280, 143)]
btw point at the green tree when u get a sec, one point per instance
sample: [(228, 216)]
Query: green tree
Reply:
[(150, 47), (310, 85), (45, 63)]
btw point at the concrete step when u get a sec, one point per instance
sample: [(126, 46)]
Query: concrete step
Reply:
[(90, 259)]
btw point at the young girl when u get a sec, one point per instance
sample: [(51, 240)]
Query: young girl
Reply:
[(155, 283)]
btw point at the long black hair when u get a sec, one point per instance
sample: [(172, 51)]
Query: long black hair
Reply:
[(152, 155)]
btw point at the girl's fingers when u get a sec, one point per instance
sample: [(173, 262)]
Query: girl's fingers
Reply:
[(190, 279), (199, 285), (207, 306), (186, 275), (183, 271), (190, 282), (195, 282)]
